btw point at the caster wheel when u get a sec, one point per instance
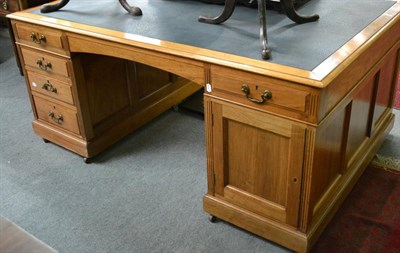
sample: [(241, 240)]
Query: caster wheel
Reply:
[(45, 141), (212, 218), (175, 108), (87, 160)]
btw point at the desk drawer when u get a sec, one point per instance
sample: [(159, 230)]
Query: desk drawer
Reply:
[(40, 37), (45, 63), (50, 87), (57, 114), (228, 84)]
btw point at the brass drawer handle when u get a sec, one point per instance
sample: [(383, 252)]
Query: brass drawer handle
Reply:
[(57, 119), (43, 66), (5, 5), (49, 87), (38, 39), (265, 96)]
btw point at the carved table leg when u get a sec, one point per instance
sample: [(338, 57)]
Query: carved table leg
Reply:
[(53, 7), (136, 11), (288, 8), (225, 15), (266, 52)]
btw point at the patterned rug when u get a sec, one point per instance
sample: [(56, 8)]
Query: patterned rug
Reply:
[(369, 219), (386, 163)]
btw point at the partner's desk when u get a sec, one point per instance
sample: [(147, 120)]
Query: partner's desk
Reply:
[(281, 158)]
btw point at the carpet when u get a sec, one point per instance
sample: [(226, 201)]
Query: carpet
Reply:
[(369, 219), (14, 239)]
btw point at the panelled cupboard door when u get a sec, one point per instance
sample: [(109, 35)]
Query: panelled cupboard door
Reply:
[(258, 161)]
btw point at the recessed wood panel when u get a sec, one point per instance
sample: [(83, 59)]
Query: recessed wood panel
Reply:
[(107, 85), (258, 161), (360, 121), (328, 155), (253, 164), (150, 80), (384, 86)]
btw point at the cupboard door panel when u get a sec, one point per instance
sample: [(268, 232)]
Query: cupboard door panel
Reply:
[(385, 79), (258, 161)]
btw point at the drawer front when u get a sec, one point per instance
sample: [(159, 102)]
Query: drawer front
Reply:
[(50, 87), (40, 37), (257, 91), (45, 63), (56, 114)]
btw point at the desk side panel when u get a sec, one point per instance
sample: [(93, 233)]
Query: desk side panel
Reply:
[(353, 71), (346, 141)]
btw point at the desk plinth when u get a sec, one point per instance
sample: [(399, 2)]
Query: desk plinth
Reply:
[(278, 166)]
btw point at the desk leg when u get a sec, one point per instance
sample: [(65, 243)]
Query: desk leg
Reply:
[(288, 8), (266, 52), (53, 7), (225, 15), (135, 11)]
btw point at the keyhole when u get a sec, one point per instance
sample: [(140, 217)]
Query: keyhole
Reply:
[(295, 180), (256, 87)]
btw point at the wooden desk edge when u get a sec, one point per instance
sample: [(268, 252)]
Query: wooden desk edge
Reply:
[(345, 55)]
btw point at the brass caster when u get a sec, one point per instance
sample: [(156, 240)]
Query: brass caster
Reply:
[(87, 160), (212, 218)]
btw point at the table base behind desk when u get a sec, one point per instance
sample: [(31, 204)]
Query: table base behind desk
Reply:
[(278, 166)]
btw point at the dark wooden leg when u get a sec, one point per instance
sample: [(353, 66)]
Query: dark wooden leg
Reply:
[(53, 7), (266, 52), (136, 11), (288, 8), (225, 15)]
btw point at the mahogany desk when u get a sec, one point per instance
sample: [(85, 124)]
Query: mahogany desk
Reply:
[(286, 139)]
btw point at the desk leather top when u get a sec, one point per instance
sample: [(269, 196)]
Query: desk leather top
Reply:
[(302, 46)]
